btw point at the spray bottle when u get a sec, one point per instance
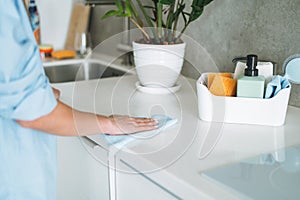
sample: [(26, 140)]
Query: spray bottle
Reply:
[(35, 20)]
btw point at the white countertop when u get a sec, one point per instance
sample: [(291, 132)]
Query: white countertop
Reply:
[(177, 157)]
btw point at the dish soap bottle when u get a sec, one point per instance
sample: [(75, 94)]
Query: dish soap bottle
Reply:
[(34, 20), (251, 85)]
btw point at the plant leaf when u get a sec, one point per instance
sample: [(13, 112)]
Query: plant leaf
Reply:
[(197, 9), (155, 1), (206, 2), (149, 7), (128, 8), (110, 13), (119, 4), (196, 13), (118, 13), (167, 2)]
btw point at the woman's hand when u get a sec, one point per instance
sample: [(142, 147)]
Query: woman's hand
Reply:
[(122, 124)]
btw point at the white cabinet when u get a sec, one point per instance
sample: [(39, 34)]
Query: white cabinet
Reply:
[(80, 175), (132, 185), (83, 175)]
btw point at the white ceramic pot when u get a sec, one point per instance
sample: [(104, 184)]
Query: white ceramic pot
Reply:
[(158, 65)]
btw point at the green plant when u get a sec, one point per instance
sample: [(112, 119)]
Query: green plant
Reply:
[(162, 17)]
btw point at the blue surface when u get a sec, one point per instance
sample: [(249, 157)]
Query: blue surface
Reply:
[(27, 157)]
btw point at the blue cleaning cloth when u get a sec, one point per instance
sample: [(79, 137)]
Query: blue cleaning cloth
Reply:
[(278, 83), (164, 122)]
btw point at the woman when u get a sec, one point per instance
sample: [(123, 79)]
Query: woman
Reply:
[(28, 109)]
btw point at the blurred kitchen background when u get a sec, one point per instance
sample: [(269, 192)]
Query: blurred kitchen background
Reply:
[(227, 29)]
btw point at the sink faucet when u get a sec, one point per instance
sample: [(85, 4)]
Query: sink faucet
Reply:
[(125, 44)]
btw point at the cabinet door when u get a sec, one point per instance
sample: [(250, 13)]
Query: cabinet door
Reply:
[(136, 186), (80, 175)]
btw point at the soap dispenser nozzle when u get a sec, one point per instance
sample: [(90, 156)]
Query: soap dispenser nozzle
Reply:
[(251, 65)]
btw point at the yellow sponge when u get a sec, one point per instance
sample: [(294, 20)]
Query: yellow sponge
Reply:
[(211, 77), (223, 86), (62, 54)]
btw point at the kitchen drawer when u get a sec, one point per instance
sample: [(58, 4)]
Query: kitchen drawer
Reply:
[(80, 174), (134, 185)]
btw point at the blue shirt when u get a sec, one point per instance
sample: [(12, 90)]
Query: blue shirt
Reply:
[(27, 157)]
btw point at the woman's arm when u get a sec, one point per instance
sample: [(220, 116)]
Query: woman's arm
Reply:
[(65, 121)]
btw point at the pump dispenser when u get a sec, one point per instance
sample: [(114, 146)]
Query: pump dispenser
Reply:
[(251, 85), (251, 66)]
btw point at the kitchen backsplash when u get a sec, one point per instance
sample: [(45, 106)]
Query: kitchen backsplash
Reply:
[(234, 28), (227, 29)]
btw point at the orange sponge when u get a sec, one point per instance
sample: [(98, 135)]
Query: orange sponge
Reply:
[(62, 54), (211, 77), (223, 86)]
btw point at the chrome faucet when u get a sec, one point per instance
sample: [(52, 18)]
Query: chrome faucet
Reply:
[(125, 45)]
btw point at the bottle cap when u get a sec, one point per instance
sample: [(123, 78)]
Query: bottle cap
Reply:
[(45, 51), (46, 48), (251, 66)]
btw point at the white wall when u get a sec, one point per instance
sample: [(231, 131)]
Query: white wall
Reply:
[(55, 16)]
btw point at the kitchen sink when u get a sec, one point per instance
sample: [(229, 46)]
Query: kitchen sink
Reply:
[(80, 71)]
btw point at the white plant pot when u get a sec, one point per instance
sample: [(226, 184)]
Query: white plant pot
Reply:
[(158, 65)]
